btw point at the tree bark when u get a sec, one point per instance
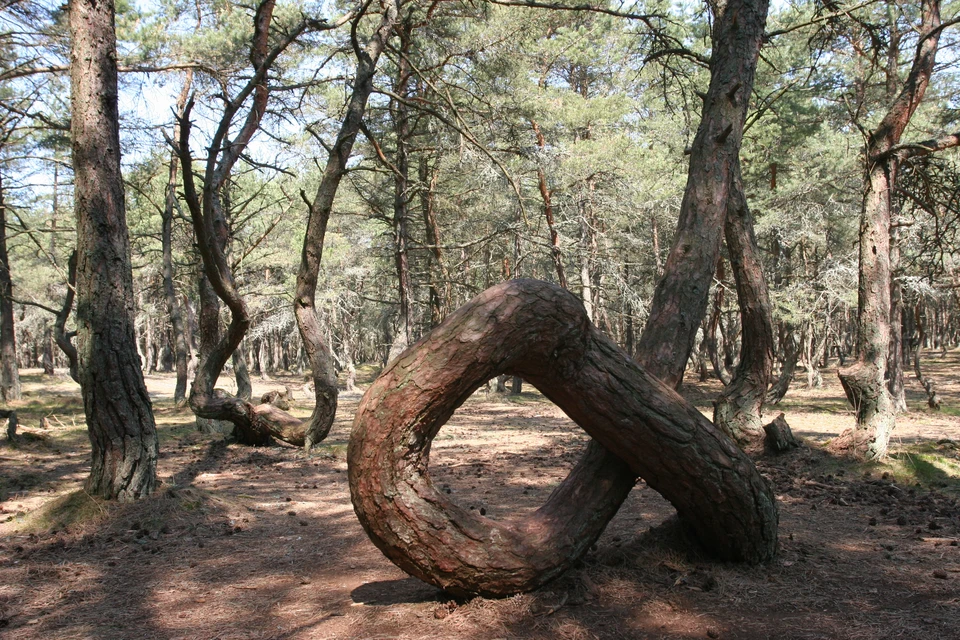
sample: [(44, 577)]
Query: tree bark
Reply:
[(254, 425), (710, 338), (304, 307), (540, 331), (680, 298), (60, 334), (600, 478), (546, 195), (739, 409), (791, 355), (180, 348), (9, 374), (115, 400), (864, 382), (933, 398)]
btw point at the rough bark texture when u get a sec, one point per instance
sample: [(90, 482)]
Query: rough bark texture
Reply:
[(9, 375), (115, 400), (254, 424), (539, 331), (304, 307), (739, 409), (681, 294), (864, 381), (779, 437)]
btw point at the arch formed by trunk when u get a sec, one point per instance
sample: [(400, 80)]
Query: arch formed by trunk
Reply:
[(541, 332)]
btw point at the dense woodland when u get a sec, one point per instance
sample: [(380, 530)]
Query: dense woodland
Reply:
[(313, 187)]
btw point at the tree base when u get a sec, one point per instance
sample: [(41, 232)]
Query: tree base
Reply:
[(540, 332)]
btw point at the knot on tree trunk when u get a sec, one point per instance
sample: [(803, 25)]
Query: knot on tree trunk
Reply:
[(541, 332)]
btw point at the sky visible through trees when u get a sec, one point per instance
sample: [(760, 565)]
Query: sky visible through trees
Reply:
[(498, 142)]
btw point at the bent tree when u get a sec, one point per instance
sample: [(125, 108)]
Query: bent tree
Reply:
[(256, 424), (119, 415), (865, 380), (541, 332), (389, 448), (305, 300)]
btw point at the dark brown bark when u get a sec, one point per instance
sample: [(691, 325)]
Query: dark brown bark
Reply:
[(304, 307), (791, 355), (779, 437), (739, 409), (601, 478), (9, 375), (864, 382), (713, 325), (60, 325), (540, 332), (680, 298), (115, 400), (254, 425)]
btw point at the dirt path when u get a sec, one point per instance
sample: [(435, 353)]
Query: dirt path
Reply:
[(263, 543)]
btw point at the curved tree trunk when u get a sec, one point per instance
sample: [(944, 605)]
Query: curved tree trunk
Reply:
[(115, 400), (791, 355), (865, 381), (540, 331), (254, 424), (304, 307), (60, 334), (710, 337), (739, 409), (555, 540)]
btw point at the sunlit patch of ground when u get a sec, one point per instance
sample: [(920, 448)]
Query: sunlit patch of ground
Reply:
[(243, 542)]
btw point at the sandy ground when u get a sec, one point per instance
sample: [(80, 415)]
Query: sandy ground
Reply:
[(262, 542)]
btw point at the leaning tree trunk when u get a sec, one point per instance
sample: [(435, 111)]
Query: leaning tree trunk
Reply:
[(791, 355), (9, 375), (304, 307), (739, 409), (557, 536), (713, 325), (864, 381), (115, 400), (540, 331)]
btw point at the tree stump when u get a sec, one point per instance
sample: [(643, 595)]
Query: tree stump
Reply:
[(779, 437), (541, 332), (12, 424)]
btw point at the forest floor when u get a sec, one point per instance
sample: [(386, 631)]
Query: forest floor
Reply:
[(243, 542)]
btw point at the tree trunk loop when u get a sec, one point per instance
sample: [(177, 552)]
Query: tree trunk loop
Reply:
[(540, 332)]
